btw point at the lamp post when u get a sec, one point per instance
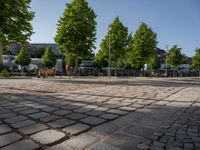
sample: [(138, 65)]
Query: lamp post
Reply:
[(166, 61), (109, 53)]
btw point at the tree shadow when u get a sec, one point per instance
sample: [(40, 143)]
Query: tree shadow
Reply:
[(139, 122)]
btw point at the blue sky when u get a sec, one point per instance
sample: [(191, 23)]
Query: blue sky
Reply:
[(174, 21)]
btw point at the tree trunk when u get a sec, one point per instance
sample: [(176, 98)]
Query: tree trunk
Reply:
[(22, 72), (76, 66), (115, 71), (1, 54), (143, 72), (199, 73)]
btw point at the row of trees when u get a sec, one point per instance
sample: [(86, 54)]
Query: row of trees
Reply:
[(128, 50), (48, 59), (76, 35)]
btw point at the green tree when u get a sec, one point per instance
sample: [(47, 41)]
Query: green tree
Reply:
[(49, 59), (40, 52), (174, 56), (142, 46), (23, 59), (76, 30), (117, 41), (196, 59), (15, 17), (184, 59), (154, 63)]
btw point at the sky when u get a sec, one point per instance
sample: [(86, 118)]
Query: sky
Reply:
[(174, 21)]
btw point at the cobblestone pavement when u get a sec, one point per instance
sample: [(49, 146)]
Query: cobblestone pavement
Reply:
[(99, 114)]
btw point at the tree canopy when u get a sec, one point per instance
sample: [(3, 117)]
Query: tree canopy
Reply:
[(40, 52), (154, 63), (23, 58), (49, 59), (76, 29), (174, 56), (142, 46), (196, 59), (117, 39), (15, 17)]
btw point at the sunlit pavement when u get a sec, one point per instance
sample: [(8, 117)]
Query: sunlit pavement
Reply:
[(100, 114)]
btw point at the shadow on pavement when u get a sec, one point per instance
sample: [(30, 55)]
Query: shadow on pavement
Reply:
[(150, 125)]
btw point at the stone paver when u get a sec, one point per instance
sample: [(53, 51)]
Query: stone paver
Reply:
[(92, 120), (50, 118), (118, 112), (47, 136), (114, 114), (39, 115), (139, 130), (4, 129), (9, 138), (76, 129), (61, 123), (123, 141), (22, 145), (62, 112), (33, 128), (109, 116), (23, 123), (29, 111), (104, 146), (7, 115), (78, 143), (15, 119), (76, 116), (182, 133)]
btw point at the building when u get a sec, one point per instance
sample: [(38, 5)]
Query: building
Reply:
[(35, 46), (10, 56), (32, 48), (161, 55), (9, 63)]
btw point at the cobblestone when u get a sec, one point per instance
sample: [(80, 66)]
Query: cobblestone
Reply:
[(61, 123), (23, 123), (76, 116), (4, 129), (7, 115), (15, 119), (29, 111), (47, 136), (92, 120), (32, 128), (50, 118), (62, 112), (123, 141), (76, 129), (112, 114), (39, 115), (22, 145), (109, 116), (178, 136), (77, 143), (9, 138)]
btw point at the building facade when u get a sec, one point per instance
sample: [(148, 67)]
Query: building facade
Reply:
[(9, 63), (32, 48)]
